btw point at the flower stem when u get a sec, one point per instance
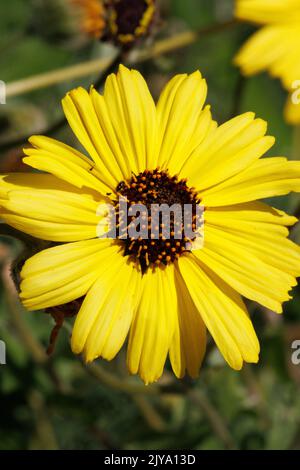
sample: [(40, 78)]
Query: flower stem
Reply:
[(256, 391), (54, 77), (216, 421), (97, 65), (23, 331), (180, 40), (57, 125), (109, 379), (149, 413), (45, 433)]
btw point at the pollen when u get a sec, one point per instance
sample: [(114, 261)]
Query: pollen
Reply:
[(92, 13), (157, 249)]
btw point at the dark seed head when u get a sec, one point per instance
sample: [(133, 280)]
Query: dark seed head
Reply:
[(157, 250), (128, 20)]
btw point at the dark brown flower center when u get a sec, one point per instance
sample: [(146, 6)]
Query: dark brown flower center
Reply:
[(130, 19), (129, 14), (165, 235)]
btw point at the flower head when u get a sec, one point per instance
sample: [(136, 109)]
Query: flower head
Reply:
[(130, 20), (160, 296), (275, 47), (71, 22), (122, 22)]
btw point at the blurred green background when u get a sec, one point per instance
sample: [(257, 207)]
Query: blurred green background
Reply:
[(58, 403)]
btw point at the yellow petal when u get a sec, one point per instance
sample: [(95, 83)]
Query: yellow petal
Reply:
[(265, 178), (261, 230), (133, 116), (254, 212), (106, 314), (59, 275), (154, 325), (180, 122), (267, 11), (230, 149), (292, 111), (234, 257), (64, 162), (261, 50), (273, 48), (32, 181), (81, 115), (51, 214), (223, 312), (189, 341)]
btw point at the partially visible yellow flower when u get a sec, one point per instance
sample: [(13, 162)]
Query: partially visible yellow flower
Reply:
[(275, 47), (158, 293)]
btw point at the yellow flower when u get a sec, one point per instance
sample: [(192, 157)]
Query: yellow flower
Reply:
[(275, 47), (163, 305)]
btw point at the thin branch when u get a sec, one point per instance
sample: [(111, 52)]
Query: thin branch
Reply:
[(61, 121), (110, 380), (55, 77), (44, 428), (216, 421), (24, 332), (180, 41), (97, 65), (150, 415)]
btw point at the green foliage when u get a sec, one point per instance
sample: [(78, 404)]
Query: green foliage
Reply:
[(59, 404)]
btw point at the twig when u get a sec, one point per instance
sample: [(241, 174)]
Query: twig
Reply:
[(215, 419), (61, 122), (44, 429), (97, 65), (110, 380), (31, 344), (180, 41), (151, 416), (255, 389), (54, 77)]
